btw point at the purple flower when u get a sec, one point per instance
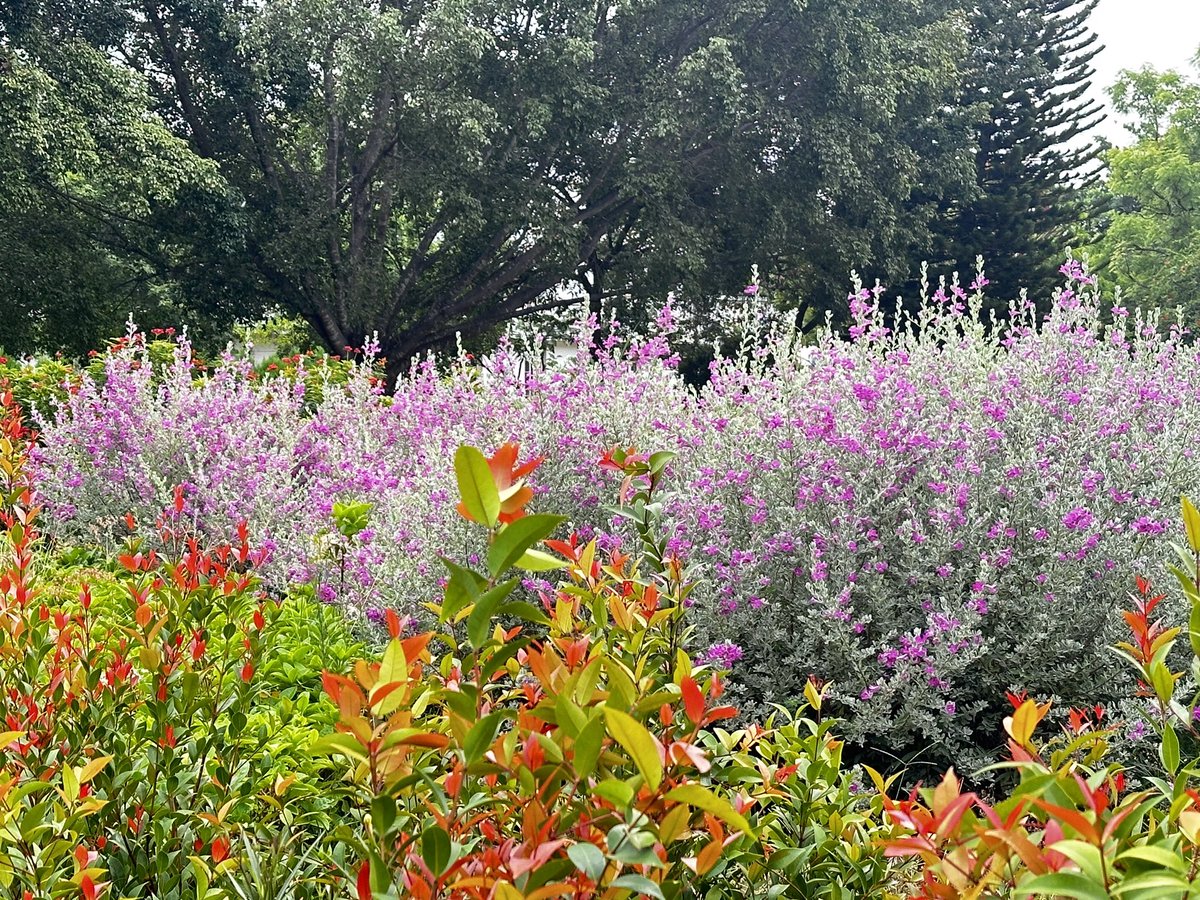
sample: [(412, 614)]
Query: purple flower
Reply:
[(1077, 519), (722, 655)]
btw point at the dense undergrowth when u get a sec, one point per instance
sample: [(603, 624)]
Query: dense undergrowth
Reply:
[(926, 513)]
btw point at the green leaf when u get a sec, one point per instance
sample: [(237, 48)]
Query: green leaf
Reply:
[(1191, 522), (615, 791), (517, 537), (476, 486), (638, 743), (537, 561), (481, 736), (393, 667), (1156, 856), (383, 813), (526, 612), (479, 622), (702, 798), (1066, 884), (658, 461), (1168, 751), (462, 588), (640, 885), (588, 859), (587, 747), (435, 849), (70, 783), (344, 744)]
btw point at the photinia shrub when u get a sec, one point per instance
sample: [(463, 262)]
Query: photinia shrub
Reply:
[(571, 747), (143, 751)]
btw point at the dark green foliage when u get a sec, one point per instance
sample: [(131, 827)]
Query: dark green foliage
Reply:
[(428, 168), (1027, 76), (99, 201)]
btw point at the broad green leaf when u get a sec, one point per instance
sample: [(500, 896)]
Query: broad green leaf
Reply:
[(518, 537), (393, 666), (588, 859), (658, 461), (1156, 856), (435, 849), (70, 783), (638, 743), (640, 884), (526, 612), (338, 743), (588, 746), (476, 486), (537, 561), (383, 813), (1084, 855), (1168, 751), (479, 622), (1066, 884), (702, 798), (481, 736), (615, 791)]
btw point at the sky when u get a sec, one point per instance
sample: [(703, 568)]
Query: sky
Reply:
[(1163, 33)]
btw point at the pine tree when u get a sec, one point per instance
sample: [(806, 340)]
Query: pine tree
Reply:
[(1028, 75)]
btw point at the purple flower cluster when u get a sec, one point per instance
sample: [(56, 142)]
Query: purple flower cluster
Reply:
[(925, 513)]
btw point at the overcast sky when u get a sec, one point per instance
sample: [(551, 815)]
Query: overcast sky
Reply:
[(1163, 33)]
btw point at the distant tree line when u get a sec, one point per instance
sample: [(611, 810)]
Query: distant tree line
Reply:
[(419, 168)]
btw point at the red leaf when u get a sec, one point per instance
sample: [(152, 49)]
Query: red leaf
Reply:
[(693, 699), (1071, 817), (220, 849), (364, 881), (87, 888)]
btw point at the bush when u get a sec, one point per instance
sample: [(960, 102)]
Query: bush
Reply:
[(1075, 825), (925, 513), (164, 741), (142, 743), (569, 748)]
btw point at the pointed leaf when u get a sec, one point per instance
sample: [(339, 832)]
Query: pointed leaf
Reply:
[(476, 486), (518, 537), (638, 743)]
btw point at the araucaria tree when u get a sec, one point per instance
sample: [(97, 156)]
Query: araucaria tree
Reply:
[(1028, 75), (426, 167)]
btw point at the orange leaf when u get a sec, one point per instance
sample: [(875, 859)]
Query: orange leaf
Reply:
[(693, 699), (1071, 817)]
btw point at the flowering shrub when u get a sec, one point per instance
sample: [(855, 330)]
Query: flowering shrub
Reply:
[(1071, 827), (926, 512), (160, 737)]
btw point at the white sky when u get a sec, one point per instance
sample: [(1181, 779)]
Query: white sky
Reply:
[(1163, 33)]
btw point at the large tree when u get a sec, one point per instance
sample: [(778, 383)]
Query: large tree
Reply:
[(1028, 76), (92, 190), (419, 167), (1151, 247)]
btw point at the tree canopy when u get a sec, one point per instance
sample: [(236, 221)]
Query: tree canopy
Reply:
[(1027, 76), (1151, 247), (421, 168), (100, 201)]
